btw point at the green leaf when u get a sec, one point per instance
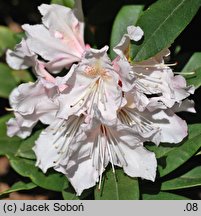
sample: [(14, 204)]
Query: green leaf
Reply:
[(163, 196), (67, 3), (68, 192), (175, 155), (194, 65), (25, 149), (22, 76), (118, 187), (189, 179), (161, 150), (128, 15), (162, 23), (7, 145), (7, 81), (11, 78), (51, 181), (8, 39), (19, 186)]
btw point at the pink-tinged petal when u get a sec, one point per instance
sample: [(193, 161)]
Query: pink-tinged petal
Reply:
[(78, 86), (92, 82), (21, 57), (40, 71), (40, 41), (55, 66), (62, 21)]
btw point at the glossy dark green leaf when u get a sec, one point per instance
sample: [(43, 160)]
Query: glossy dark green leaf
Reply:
[(194, 65), (162, 22), (25, 149), (128, 15), (51, 181), (189, 179), (117, 187), (8, 39), (174, 155), (67, 3), (7, 81), (160, 150), (7, 145), (69, 193), (163, 196), (19, 186)]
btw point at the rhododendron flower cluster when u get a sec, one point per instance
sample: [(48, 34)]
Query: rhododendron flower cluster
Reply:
[(101, 111)]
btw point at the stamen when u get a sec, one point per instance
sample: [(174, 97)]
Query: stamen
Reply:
[(152, 79), (115, 145), (144, 124), (185, 73), (9, 109), (161, 65), (109, 150), (102, 166)]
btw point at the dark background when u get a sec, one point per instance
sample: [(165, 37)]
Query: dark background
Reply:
[(99, 14)]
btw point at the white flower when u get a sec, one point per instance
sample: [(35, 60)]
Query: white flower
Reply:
[(92, 82), (33, 102), (58, 40), (100, 112), (151, 77), (53, 146), (22, 57), (156, 126), (82, 152), (122, 49)]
